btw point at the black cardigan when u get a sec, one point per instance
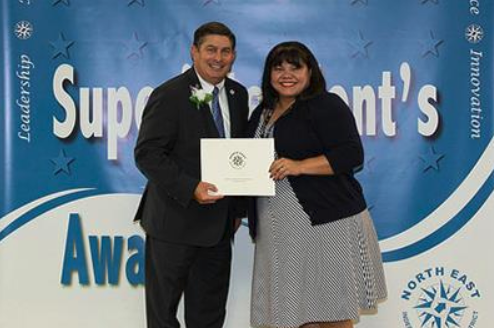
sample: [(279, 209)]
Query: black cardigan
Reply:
[(323, 125)]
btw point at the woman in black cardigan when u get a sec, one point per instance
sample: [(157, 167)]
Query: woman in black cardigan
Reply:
[(317, 260)]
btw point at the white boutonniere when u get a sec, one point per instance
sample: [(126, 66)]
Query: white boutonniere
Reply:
[(200, 97)]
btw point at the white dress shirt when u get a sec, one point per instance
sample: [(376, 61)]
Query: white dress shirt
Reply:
[(225, 111)]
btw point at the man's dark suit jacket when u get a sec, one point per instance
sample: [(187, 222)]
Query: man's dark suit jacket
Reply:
[(168, 154)]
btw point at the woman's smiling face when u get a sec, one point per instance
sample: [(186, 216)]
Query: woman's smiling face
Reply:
[(290, 80)]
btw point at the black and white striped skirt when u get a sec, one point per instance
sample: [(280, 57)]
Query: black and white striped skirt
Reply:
[(304, 273)]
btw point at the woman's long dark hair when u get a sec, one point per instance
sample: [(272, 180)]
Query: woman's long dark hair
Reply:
[(294, 53)]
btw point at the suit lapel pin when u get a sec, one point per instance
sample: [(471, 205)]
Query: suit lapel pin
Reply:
[(232, 92)]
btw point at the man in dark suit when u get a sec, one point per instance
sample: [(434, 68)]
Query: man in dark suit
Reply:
[(188, 227)]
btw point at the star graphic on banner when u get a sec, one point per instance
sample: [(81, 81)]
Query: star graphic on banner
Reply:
[(207, 2), (139, 2), (56, 2), (363, 2), (167, 44), (433, 1), (360, 46), (62, 163), (61, 46), (431, 159), (135, 46), (430, 45)]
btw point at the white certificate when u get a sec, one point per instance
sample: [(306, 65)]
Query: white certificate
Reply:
[(238, 167)]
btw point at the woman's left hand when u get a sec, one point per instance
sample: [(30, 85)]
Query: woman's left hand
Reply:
[(283, 167)]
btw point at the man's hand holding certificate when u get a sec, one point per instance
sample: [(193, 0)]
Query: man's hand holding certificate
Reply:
[(238, 167)]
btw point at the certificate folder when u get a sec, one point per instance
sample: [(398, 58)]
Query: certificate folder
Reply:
[(238, 167)]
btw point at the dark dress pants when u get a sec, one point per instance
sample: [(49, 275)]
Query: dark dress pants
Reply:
[(201, 274)]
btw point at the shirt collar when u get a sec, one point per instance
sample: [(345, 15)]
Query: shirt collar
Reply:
[(208, 87)]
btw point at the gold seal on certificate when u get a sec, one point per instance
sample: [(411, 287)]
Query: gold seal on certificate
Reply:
[(238, 167)]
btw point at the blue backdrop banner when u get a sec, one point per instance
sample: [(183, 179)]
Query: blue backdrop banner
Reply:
[(76, 75)]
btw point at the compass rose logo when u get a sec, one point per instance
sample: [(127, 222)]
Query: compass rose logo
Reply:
[(441, 306), (474, 33), (23, 30), (440, 297)]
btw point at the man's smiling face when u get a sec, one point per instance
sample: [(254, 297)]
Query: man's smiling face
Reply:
[(213, 58)]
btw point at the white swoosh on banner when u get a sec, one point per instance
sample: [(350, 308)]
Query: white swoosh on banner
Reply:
[(12, 216), (449, 208)]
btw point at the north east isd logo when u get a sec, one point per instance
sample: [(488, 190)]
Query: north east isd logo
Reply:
[(440, 298), (238, 160)]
